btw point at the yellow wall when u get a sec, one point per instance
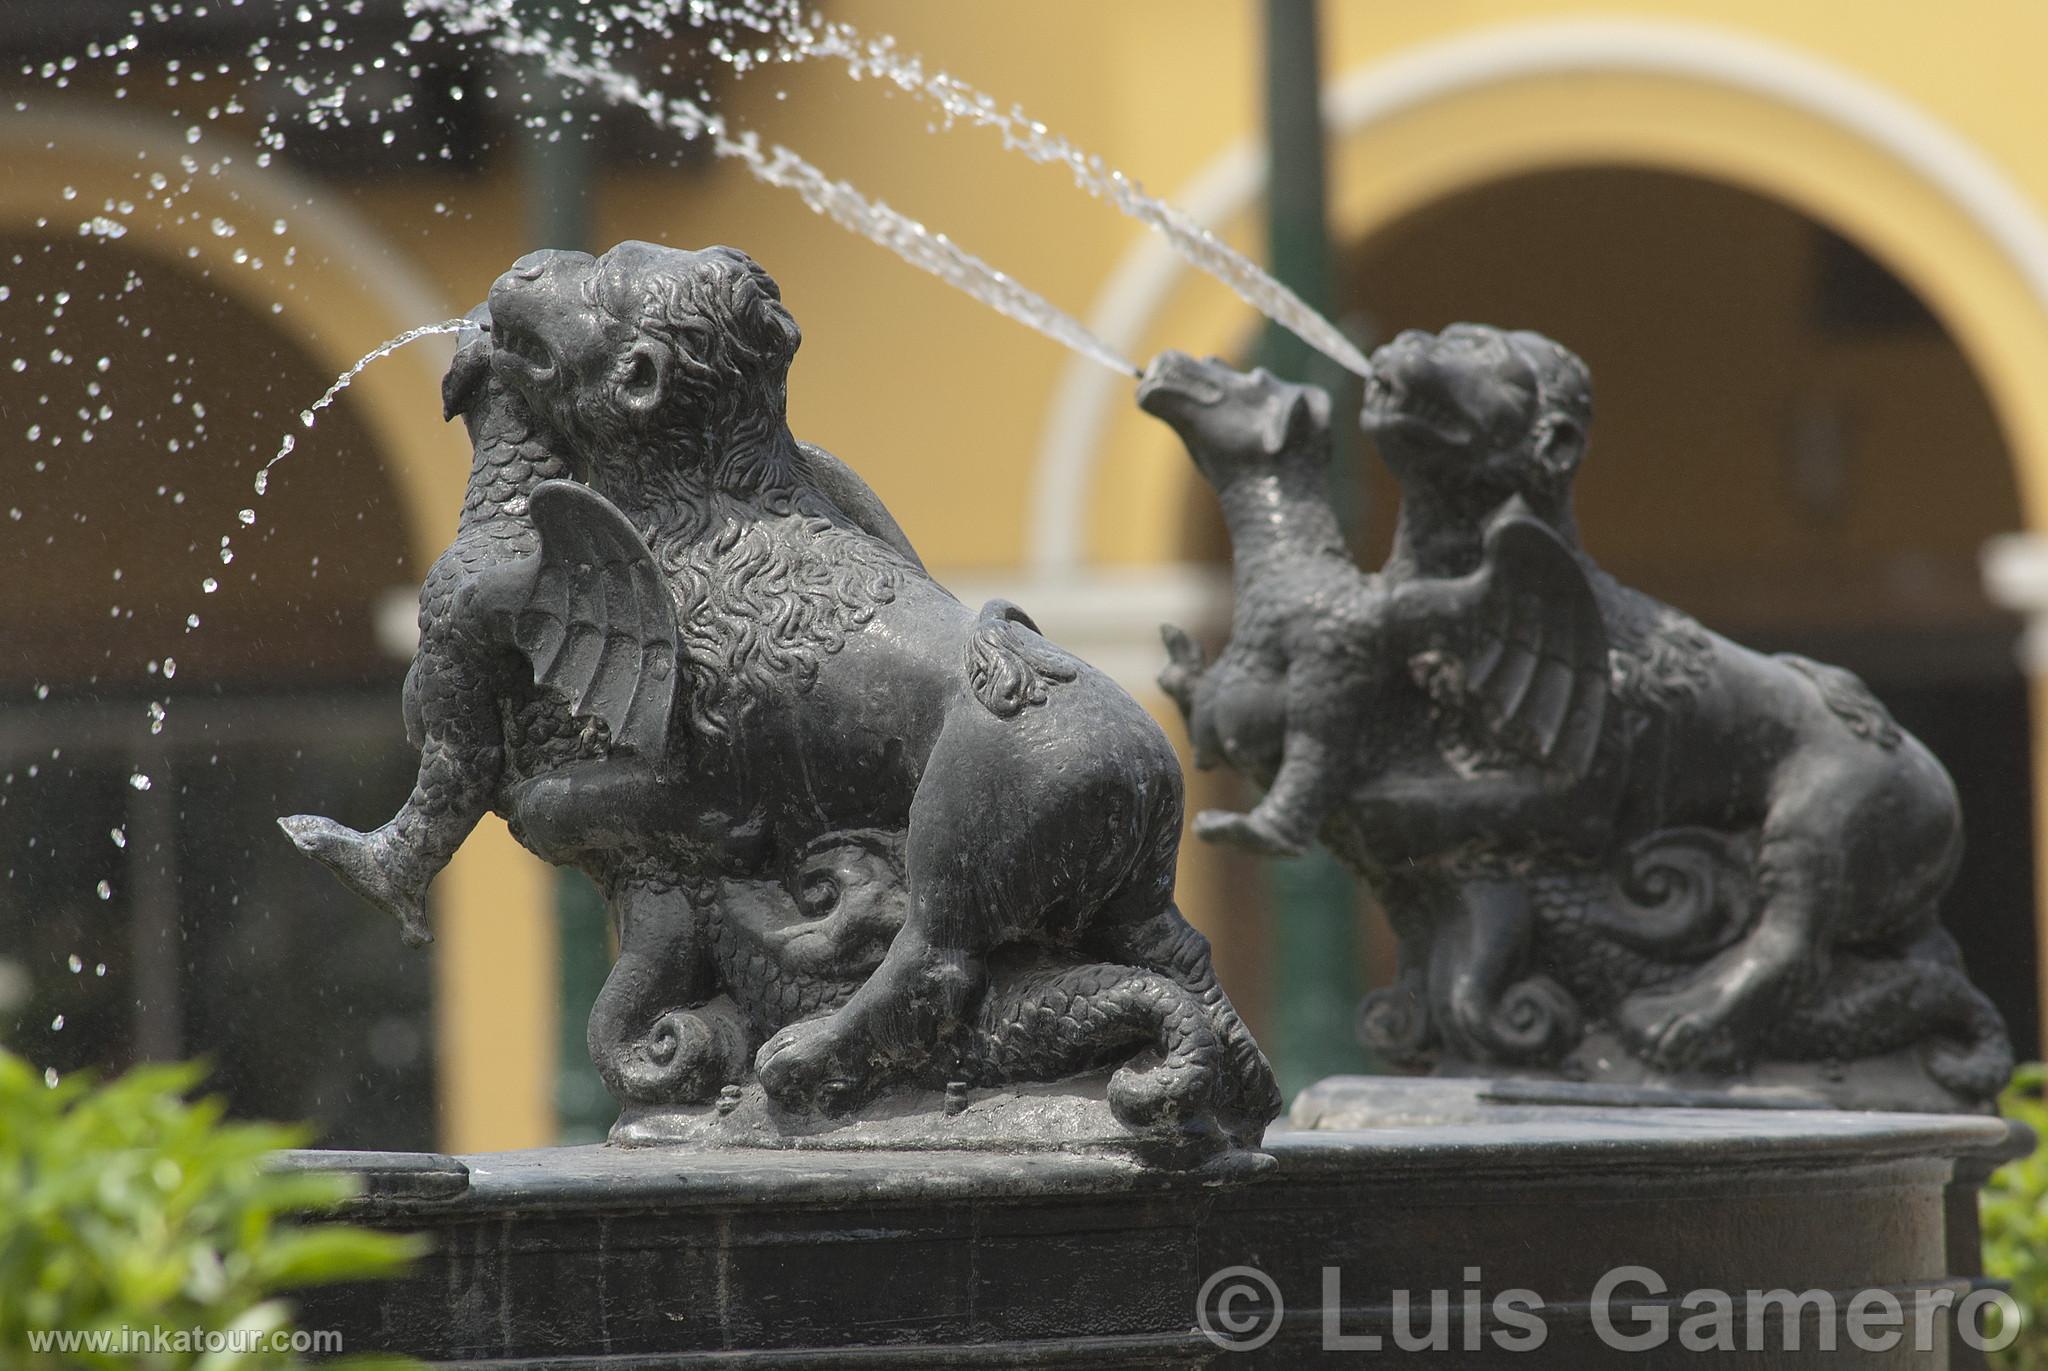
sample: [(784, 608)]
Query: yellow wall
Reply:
[(940, 402)]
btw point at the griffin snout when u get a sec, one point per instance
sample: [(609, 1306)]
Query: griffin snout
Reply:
[(527, 306), (1176, 383), (471, 366), (1420, 386), (1228, 418)]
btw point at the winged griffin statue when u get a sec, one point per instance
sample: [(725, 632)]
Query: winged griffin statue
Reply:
[(856, 838), (1611, 842)]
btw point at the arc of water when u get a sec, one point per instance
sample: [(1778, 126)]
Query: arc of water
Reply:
[(345, 380), (804, 35), (778, 166)]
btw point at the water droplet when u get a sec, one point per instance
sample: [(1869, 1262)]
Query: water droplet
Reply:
[(191, 622), (120, 837), (99, 969), (75, 962), (263, 480), (139, 781), (171, 663), (247, 516), (57, 1024), (209, 585), (104, 890), (42, 691), (50, 1077)]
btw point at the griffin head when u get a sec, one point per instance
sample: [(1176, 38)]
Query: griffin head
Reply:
[(1236, 422), (1476, 415), (646, 349)]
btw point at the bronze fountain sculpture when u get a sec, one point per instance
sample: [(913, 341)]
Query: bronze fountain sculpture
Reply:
[(1614, 845), (901, 980), (856, 838)]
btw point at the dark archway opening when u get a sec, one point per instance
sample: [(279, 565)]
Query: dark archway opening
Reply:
[(149, 907)]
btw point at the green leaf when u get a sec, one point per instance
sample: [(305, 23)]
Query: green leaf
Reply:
[(320, 1254), (126, 1203)]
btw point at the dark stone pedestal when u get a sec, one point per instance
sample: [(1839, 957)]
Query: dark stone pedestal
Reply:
[(601, 1257)]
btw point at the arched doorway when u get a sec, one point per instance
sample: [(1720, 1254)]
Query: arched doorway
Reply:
[(343, 292), (178, 678)]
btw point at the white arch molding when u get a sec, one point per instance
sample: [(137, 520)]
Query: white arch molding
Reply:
[(341, 257), (1140, 286)]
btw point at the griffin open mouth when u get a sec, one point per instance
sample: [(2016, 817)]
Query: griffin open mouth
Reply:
[(1177, 376), (1392, 404), (524, 351)]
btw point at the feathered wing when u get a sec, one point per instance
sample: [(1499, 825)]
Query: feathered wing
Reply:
[(1527, 646), (598, 623)]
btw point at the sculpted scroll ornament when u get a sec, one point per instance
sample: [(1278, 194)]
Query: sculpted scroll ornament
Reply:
[(1612, 842), (857, 839)]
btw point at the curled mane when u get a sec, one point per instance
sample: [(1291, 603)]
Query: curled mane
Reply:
[(764, 595), (769, 575)]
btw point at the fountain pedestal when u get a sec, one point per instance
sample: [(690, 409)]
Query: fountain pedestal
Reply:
[(680, 1257)]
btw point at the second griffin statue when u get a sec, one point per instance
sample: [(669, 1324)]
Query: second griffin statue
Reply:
[(1612, 843), (856, 837)]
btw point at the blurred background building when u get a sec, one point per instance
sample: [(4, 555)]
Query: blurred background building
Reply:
[(1804, 249)]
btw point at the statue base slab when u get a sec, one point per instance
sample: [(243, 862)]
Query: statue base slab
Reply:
[(691, 1256), (1069, 1116), (1894, 1082)]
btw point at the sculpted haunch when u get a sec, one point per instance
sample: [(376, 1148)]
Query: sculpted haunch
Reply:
[(1592, 820), (726, 689)]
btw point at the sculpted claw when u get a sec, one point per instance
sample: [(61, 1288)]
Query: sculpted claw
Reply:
[(357, 859), (1669, 1030), (1248, 831), (804, 1067)]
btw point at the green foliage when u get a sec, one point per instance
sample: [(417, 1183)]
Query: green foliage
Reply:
[(2015, 1217), (128, 1206)]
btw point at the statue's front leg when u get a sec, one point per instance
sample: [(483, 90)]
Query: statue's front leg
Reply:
[(894, 1022), (1318, 758), (453, 699), (1719, 1010)]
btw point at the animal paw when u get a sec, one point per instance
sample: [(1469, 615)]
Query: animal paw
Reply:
[(1673, 1029), (360, 861), (1248, 831), (810, 1067), (1185, 664)]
